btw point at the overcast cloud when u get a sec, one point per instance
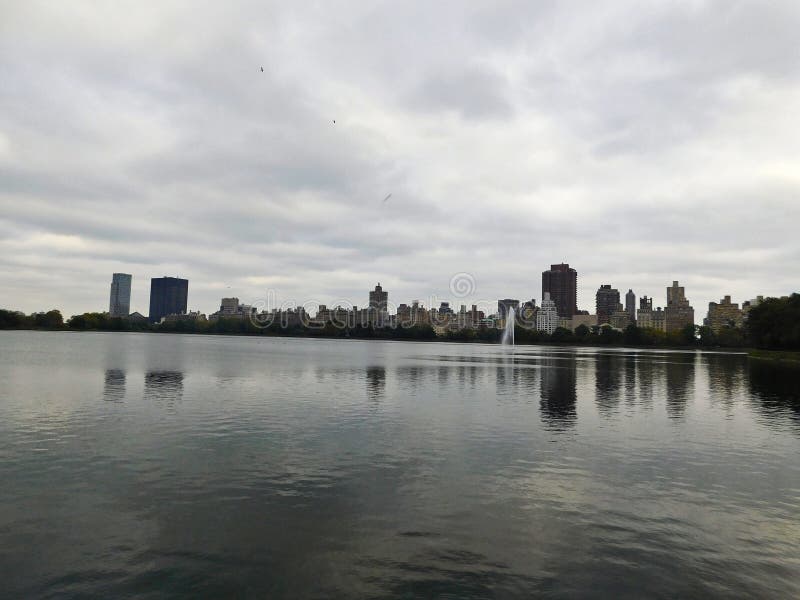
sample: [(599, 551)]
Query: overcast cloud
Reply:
[(641, 142)]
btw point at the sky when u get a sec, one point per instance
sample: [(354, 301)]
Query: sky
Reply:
[(640, 142)]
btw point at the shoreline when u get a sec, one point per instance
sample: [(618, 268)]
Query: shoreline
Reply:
[(711, 350)]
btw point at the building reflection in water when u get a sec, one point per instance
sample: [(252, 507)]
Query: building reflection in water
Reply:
[(376, 382), (114, 387), (607, 382), (680, 383), (558, 380), (775, 390), (163, 386), (629, 387), (726, 375)]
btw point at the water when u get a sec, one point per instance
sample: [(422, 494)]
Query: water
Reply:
[(508, 333), (156, 466)]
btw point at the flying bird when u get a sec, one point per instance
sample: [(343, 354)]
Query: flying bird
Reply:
[(262, 69), (387, 197), (334, 121)]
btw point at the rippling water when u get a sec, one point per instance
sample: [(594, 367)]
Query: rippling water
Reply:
[(165, 465)]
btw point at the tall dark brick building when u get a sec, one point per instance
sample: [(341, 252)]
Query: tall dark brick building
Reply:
[(562, 283), (607, 303), (168, 296)]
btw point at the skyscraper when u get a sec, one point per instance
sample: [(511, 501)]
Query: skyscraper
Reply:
[(678, 312), (547, 315), (168, 296), (607, 303), (378, 299), (630, 305), (561, 282), (119, 304)]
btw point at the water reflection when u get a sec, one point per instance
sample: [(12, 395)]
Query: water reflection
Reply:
[(607, 383), (726, 374), (114, 388), (376, 382), (558, 394), (163, 386), (775, 389), (680, 383)]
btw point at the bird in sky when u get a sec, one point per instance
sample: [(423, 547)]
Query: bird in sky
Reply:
[(387, 197), (262, 69), (334, 121)]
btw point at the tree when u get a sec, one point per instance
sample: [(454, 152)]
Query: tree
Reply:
[(582, 331), (707, 336), (775, 324), (632, 335), (688, 335)]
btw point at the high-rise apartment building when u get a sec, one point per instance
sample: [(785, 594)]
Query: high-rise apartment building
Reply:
[(630, 305), (119, 304), (678, 312), (561, 282), (607, 303), (724, 314), (378, 299), (168, 296), (547, 315)]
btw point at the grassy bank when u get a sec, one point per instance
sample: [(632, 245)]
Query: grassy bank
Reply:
[(776, 355)]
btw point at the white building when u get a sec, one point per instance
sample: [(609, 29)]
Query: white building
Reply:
[(119, 303), (547, 315)]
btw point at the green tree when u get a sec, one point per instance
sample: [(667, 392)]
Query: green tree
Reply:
[(775, 324)]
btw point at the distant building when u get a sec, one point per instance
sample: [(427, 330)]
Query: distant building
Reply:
[(723, 315), (561, 282), (620, 319), (645, 317), (230, 308), (578, 320), (679, 312), (168, 296), (119, 304), (547, 315), (748, 305), (607, 303), (505, 306), (526, 315), (630, 305), (378, 299)]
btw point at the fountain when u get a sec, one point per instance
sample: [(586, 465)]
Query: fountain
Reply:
[(508, 332)]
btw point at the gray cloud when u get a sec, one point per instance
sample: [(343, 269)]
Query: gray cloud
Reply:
[(640, 142)]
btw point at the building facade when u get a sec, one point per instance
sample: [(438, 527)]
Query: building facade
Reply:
[(679, 313), (378, 299), (620, 319), (119, 303), (168, 296), (547, 315), (630, 305), (607, 303), (561, 282), (724, 315)]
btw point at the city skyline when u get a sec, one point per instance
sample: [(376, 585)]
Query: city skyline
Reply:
[(547, 133), (169, 297)]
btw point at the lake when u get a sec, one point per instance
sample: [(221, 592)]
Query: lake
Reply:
[(159, 466)]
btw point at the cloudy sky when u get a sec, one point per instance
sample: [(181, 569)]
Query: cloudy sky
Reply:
[(641, 142)]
